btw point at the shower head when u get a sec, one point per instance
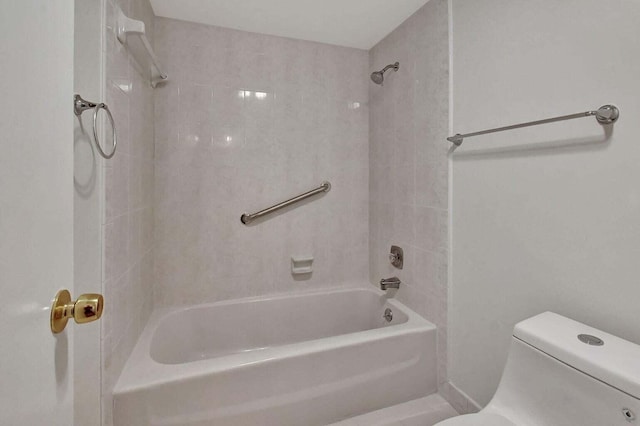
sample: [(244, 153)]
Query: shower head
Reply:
[(378, 76)]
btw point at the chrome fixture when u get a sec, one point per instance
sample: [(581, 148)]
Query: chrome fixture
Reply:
[(378, 76), (387, 283), (388, 315), (606, 114), (396, 257), (80, 105), (248, 218)]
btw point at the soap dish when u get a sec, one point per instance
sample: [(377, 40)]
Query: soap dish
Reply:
[(301, 265)]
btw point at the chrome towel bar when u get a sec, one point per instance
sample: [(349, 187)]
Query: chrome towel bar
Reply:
[(248, 218), (606, 114)]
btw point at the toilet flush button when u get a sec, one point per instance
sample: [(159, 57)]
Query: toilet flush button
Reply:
[(590, 340)]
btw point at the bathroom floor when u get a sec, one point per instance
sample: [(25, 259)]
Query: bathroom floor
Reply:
[(420, 412)]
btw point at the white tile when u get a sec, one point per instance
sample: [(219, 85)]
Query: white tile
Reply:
[(128, 229), (180, 186), (274, 131), (408, 160)]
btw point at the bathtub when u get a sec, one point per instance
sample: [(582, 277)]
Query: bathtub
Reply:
[(299, 359)]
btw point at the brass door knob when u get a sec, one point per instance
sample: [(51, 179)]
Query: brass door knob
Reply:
[(87, 308)]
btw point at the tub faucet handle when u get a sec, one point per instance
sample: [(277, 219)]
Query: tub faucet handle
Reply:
[(396, 256)]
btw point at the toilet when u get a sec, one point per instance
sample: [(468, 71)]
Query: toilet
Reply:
[(560, 372)]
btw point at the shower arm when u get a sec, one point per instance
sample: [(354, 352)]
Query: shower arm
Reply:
[(394, 66)]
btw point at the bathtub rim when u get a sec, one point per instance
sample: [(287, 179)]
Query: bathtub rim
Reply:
[(141, 371)]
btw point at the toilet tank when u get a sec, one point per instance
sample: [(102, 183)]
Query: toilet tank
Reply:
[(555, 378)]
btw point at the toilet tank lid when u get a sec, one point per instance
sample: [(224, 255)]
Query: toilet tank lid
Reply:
[(616, 362)]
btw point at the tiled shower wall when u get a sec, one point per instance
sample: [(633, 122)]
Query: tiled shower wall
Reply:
[(245, 121), (409, 166), (128, 207)]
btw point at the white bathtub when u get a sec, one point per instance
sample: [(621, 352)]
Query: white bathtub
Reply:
[(300, 359)]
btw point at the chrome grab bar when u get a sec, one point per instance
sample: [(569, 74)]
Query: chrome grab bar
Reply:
[(248, 218), (606, 114)]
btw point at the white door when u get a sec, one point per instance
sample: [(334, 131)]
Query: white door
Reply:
[(36, 209)]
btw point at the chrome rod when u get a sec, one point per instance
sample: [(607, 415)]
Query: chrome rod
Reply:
[(248, 218), (606, 114)]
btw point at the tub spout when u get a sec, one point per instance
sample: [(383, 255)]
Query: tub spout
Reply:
[(387, 283)]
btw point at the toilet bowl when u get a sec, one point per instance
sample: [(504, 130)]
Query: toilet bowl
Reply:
[(560, 372)]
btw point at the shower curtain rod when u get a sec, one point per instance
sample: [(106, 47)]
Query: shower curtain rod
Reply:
[(606, 114)]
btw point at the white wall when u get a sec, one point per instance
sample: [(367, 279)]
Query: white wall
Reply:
[(247, 120), (545, 218)]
